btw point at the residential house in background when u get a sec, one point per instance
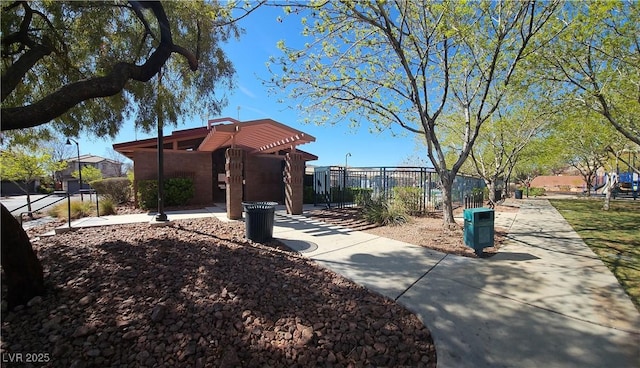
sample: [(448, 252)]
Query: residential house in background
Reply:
[(109, 169)]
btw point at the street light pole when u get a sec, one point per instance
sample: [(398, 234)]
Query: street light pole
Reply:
[(161, 216), (69, 140)]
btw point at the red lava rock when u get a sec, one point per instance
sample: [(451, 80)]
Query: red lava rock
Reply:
[(197, 294)]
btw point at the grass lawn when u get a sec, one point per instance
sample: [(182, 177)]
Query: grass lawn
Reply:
[(613, 235)]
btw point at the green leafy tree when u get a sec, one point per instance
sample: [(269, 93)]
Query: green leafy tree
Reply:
[(90, 62), (20, 165), (89, 174), (409, 64), (504, 138), (586, 140), (83, 66), (595, 61)]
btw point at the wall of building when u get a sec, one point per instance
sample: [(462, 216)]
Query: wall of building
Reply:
[(263, 174), (196, 165), (263, 178), (560, 183)]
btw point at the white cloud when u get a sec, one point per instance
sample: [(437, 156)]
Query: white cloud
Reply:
[(246, 91)]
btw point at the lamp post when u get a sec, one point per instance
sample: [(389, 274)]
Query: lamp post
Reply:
[(345, 159), (69, 140), (161, 216)]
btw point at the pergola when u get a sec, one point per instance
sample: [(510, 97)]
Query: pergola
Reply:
[(256, 136)]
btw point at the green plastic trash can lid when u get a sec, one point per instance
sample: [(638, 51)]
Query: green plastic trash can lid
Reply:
[(480, 213)]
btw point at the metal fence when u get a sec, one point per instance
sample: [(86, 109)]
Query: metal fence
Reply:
[(419, 187)]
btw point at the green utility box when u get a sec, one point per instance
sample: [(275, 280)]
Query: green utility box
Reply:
[(478, 228)]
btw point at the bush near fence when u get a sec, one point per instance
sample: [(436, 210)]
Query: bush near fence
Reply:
[(308, 195), (362, 196), (410, 198)]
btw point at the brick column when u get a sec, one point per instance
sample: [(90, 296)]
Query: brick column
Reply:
[(294, 181), (233, 167)]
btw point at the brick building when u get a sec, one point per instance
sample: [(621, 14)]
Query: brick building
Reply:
[(230, 162)]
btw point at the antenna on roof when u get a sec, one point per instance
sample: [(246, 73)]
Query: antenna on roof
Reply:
[(238, 112)]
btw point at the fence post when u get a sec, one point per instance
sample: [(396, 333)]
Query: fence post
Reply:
[(97, 205), (69, 209)]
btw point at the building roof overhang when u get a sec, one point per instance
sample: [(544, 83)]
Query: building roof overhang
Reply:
[(262, 136), (257, 136)]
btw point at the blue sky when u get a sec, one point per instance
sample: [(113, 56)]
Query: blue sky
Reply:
[(250, 100)]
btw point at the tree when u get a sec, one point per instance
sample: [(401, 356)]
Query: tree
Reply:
[(411, 63), (89, 174), (90, 61), (504, 138), (125, 163), (21, 166), (586, 139), (82, 66), (595, 61), (53, 144)]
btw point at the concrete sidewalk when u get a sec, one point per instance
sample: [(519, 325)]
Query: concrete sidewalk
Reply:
[(545, 300)]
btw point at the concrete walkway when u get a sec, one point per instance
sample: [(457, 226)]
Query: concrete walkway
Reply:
[(545, 300)]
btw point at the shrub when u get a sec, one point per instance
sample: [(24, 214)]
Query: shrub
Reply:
[(338, 194), (117, 190), (177, 192), (106, 207), (79, 209), (478, 191), (536, 192), (147, 193), (362, 196), (383, 212), (45, 190), (409, 198), (308, 195)]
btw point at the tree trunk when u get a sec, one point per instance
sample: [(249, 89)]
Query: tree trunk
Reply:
[(22, 269), (491, 186), (447, 203), (607, 200), (612, 180), (588, 179), (28, 199)]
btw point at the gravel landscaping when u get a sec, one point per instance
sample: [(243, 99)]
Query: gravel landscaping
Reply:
[(197, 294)]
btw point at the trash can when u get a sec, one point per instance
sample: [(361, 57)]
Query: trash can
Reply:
[(479, 228), (258, 220), (518, 194)]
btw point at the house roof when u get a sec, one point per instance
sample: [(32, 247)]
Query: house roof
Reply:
[(90, 159), (256, 136)]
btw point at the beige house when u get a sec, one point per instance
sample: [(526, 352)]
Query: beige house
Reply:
[(108, 168)]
